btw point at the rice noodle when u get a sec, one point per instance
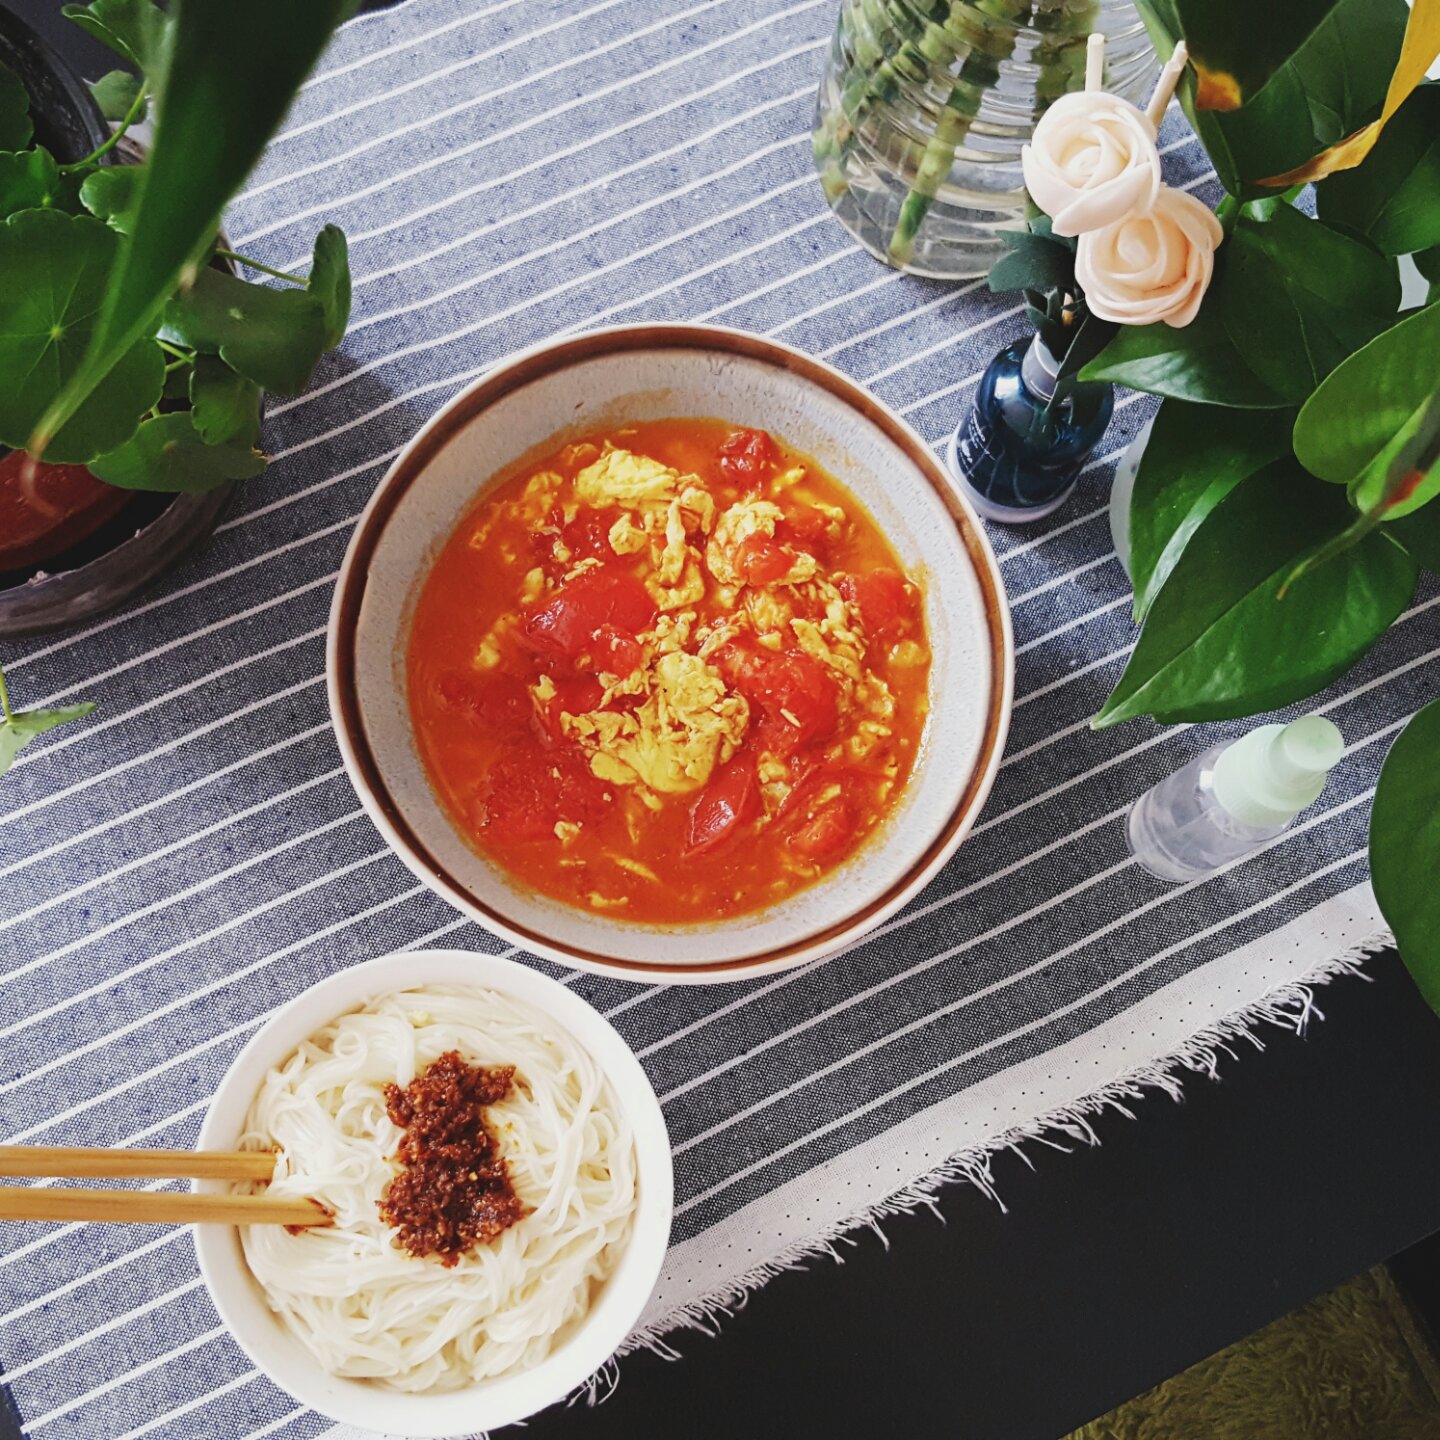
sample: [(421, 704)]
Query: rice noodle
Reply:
[(360, 1304)]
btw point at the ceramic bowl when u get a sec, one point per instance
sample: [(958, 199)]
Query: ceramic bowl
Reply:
[(536, 401), (508, 1398)]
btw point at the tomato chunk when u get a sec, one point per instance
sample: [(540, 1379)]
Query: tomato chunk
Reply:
[(588, 534), (530, 790), (762, 561), (496, 702), (824, 832), (886, 600), (748, 455), (793, 689), (723, 805), (568, 622), (616, 652), (574, 695), (806, 527)]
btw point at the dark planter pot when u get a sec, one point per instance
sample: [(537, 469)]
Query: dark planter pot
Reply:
[(151, 533)]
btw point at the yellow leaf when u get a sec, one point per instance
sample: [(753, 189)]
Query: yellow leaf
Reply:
[(1216, 89), (1417, 54)]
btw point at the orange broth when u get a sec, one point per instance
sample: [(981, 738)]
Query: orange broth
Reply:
[(671, 672)]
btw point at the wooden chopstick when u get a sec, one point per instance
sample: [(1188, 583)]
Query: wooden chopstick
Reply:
[(80, 1162), (144, 1207)]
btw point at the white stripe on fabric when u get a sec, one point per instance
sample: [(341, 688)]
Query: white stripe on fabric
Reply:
[(268, 752), (429, 80), (190, 1405), (171, 745), (140, 966), (449, 156), (110, 876), (688, 145), (133, 1373), (113, 1323), (916, 1081), (321, 77), (189, 892), (368, 277)]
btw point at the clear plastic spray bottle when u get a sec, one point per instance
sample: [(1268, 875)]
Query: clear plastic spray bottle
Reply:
[(1233, 798)]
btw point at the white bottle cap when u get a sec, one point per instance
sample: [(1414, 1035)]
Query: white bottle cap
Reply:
[(1269, 776)]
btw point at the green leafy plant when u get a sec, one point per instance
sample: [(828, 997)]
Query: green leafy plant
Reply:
[(1285, 502), (126, 342), (19, 727)]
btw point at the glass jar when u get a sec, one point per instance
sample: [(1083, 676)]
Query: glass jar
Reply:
[(924, 105)]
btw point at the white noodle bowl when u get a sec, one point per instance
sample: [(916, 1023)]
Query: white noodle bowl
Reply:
[(363, 1307)]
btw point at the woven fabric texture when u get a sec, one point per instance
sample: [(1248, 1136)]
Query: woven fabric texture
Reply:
[(193, 855)]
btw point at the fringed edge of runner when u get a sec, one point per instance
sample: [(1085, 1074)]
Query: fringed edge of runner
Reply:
[(1291, 1006)]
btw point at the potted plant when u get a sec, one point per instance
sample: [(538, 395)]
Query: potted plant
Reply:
[(156, 432), (1285, 503), (134, 357)]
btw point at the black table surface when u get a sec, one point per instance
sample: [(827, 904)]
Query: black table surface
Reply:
[(1112, 1268)]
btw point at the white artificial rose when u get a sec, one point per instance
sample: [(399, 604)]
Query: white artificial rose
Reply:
[(1152, 267), (1091, 161)]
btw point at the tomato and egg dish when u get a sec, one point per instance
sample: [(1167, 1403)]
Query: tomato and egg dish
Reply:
[(671, 672)]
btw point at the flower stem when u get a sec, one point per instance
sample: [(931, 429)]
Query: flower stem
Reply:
[(136, 105), (256, 265)]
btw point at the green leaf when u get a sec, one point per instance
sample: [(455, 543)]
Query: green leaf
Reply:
[(1198, 362), (137, 30), (1220, 642), (229, 74), (1427, 262), (1271, 86), (56, 268), (168, 453), (1393, 196), (1042, 225), (1368, 408), (1297, 297), (1079, 346), (15, 126), (31, 180), (329, 282), (1192, 461), (274, 337), (110, 194), (225, 406), (1405, 847), (1420, 535), (116, 92), (1031, 262), (19, 729)]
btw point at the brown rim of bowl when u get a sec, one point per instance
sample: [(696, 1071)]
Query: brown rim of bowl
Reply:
[(515, 375)]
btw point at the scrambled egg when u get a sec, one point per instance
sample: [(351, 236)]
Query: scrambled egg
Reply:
[(837, 640), (621, 478), (742, 520), (687, 724)]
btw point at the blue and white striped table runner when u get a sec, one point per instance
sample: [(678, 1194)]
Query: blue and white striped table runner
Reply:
[(193, 855)]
